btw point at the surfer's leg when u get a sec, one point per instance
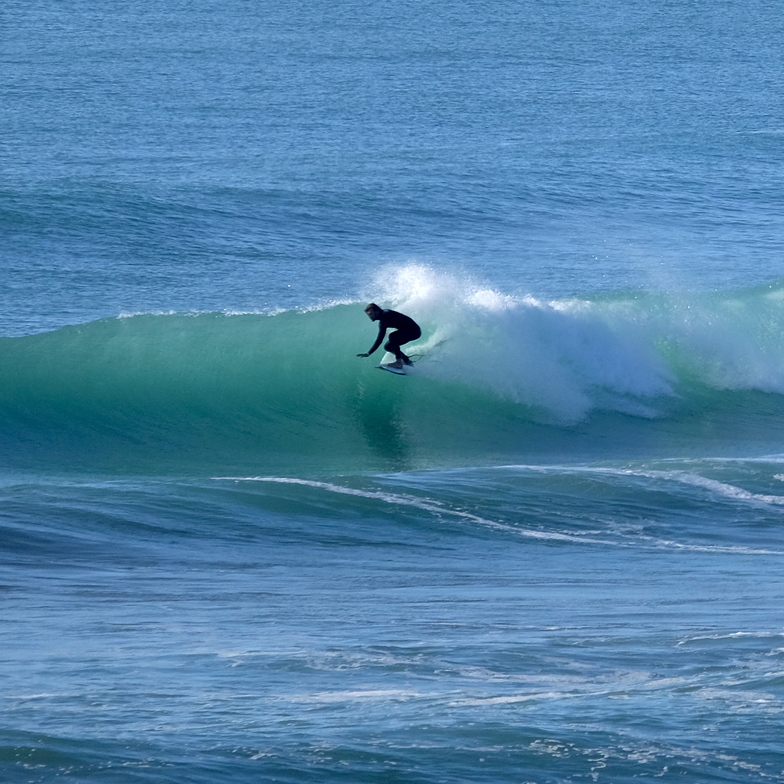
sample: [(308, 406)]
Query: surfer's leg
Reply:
[(396, 340), (393, 347)]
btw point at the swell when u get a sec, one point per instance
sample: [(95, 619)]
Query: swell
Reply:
[(720, 507), (498, 377)]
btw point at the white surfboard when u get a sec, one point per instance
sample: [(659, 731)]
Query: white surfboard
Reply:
[(396, 370)]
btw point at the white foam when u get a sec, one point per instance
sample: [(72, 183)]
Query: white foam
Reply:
[(363, 695), (559, 356), (713, 485), (437, 507), (434, 507), (573, 356), (763, 635), (514, 699), (682, 477), (136, 313)]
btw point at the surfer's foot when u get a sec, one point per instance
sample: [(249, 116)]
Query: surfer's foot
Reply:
[(397, 364), (407, 361)]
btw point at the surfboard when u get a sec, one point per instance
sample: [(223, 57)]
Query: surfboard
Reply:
[(396, 371)]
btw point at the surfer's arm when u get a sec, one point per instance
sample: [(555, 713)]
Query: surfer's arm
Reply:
[(382, 330)]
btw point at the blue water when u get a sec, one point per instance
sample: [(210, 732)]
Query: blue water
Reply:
[(232, 551)]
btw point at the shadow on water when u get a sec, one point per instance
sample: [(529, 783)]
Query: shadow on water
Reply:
[(379, 418)]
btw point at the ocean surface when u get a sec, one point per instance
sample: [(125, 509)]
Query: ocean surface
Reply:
[(232, 551)]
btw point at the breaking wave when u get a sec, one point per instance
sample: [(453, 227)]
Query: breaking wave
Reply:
[(498, 375)]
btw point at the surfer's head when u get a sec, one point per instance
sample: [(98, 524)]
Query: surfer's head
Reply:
[(374, 311)]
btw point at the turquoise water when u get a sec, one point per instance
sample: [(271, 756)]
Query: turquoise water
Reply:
[(231, 551)]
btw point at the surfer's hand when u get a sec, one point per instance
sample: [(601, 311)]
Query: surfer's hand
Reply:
[(363, 355)]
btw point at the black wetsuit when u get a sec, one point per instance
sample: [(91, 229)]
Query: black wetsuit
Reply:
[(406, 329)]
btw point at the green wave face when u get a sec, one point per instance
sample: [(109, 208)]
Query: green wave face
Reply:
[(498, 379)]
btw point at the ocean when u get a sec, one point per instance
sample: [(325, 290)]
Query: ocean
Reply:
[(231, 550)]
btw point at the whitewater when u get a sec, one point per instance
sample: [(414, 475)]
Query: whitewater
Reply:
[(231, 550)]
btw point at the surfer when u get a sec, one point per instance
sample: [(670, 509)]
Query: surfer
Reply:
[(406, 330)]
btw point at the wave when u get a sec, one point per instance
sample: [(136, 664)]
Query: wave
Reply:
[(498, 376)]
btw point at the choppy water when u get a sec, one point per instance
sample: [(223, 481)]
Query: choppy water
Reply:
[(232, 551)]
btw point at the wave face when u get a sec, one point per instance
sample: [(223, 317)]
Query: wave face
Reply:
[(499, 376)]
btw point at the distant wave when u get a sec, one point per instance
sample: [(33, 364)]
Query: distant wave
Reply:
[(495, 369)]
